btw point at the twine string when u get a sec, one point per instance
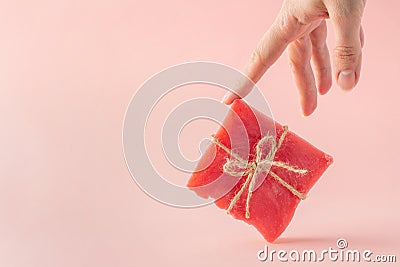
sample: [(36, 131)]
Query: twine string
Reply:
[(237, 166)]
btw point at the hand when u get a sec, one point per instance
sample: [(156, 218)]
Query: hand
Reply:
[(300, 26)]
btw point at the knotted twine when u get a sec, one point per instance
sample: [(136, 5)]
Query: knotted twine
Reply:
[(237, 166)]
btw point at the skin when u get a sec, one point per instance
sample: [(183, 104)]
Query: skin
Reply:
[(300, 27)]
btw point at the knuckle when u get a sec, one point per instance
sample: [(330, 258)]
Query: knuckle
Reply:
[(286, 27), (348, 10), (346, 54), (284, 30), (302, 19)]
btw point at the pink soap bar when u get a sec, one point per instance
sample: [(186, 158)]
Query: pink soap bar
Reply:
[(272, 204)]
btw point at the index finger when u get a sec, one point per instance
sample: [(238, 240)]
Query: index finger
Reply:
[(267, 51)]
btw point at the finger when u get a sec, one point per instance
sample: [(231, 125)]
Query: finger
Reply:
[(268, 50), (320, 58), (242, 88), (346, 18), (299, 57)]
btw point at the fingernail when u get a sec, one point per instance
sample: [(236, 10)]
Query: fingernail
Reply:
[(346, 79)]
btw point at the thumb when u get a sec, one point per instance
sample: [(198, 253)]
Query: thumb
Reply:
[(346, 19)]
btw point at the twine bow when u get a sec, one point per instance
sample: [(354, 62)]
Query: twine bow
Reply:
[(237, 166)]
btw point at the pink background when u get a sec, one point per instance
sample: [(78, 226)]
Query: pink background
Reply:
[(67, 72)]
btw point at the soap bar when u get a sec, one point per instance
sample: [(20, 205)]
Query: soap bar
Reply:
[(258, 177)]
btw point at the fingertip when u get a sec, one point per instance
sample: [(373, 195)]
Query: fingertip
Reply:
[(308, 108), (229, 97), (308, 101), (325, 85), (323, 90)]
